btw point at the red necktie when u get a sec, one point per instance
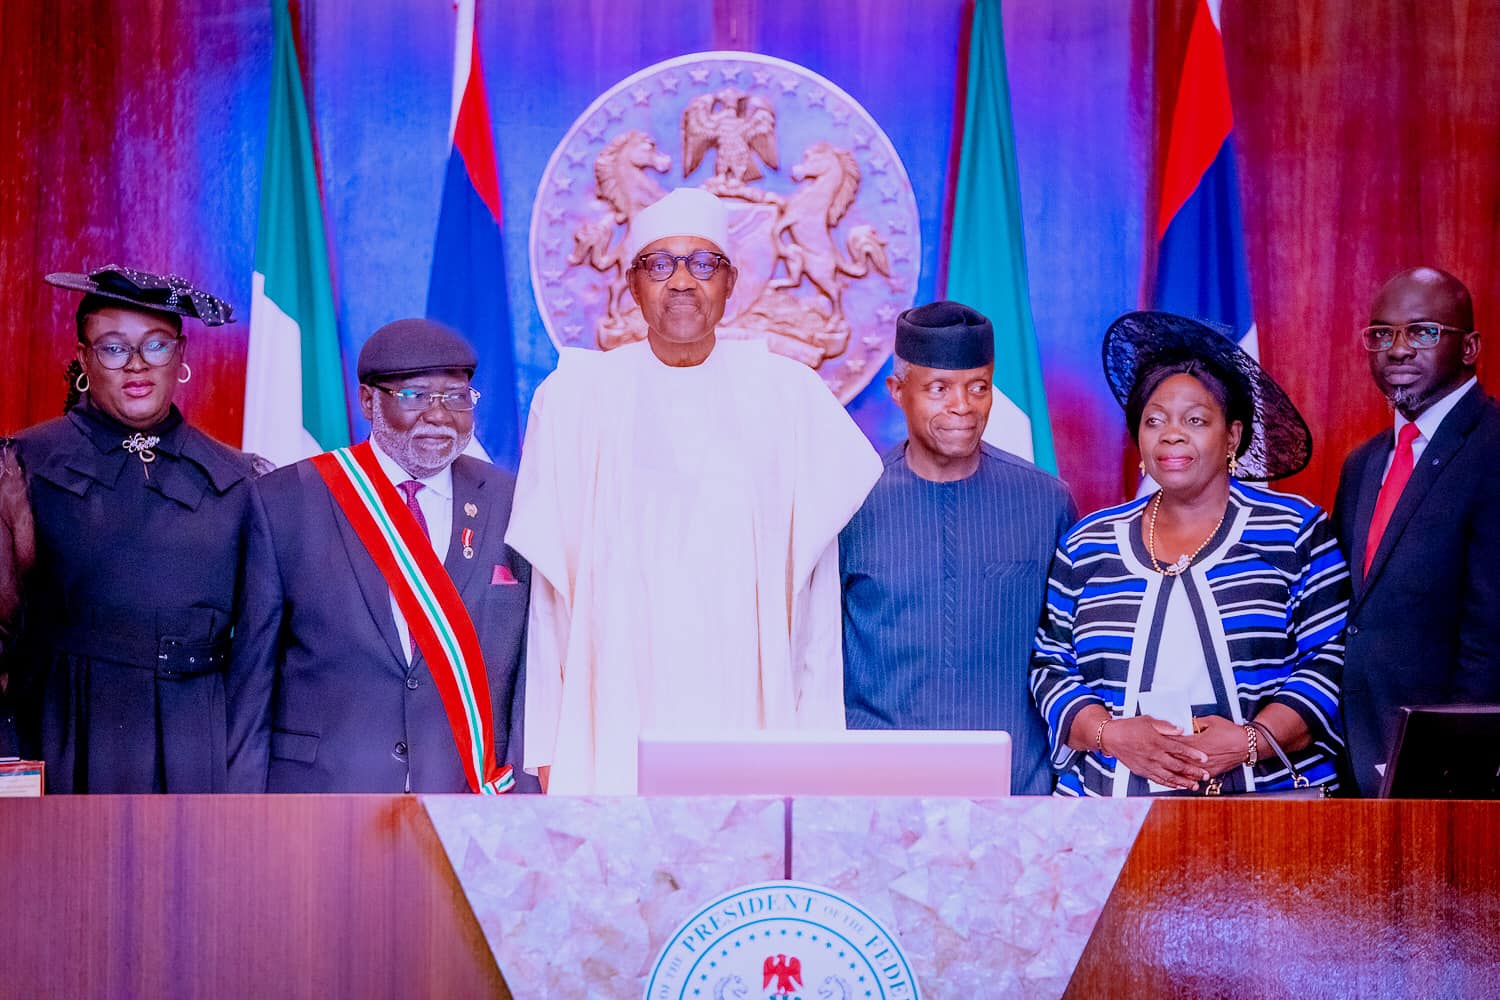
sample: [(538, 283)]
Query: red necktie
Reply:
[(1390, 491), (410, 488)]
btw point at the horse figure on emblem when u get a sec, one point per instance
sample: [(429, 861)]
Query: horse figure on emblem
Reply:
[(622, 183), (808, 220)]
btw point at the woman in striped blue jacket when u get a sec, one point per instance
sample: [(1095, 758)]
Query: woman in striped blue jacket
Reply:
[(1193, 636)]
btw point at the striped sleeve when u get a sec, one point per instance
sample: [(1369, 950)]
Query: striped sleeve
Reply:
[(1057, 686), (1315, 620)]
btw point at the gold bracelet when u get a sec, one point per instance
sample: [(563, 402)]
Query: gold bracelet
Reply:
[(1099, 734), (1253, 753)]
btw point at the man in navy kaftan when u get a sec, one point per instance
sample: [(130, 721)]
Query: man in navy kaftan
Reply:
[(944, 568)]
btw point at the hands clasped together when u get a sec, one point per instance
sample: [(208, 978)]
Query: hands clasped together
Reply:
[(1163, 753)]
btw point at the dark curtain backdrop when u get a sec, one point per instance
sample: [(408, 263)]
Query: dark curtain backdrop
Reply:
[(130, 133), (1368, 133)]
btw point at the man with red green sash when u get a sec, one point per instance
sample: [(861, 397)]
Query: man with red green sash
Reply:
[(385, 615)]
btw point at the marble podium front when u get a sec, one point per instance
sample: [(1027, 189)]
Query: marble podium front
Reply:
[(988, 898)]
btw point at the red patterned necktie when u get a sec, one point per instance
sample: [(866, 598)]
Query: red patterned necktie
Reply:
[(1390, 491), (409, 489)]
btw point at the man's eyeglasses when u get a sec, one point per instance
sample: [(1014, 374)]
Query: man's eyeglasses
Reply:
[(1419, 335), (660, 265), (417, 400), (157, 352)]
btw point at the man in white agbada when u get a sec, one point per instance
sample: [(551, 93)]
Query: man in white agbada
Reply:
[(680, 501)]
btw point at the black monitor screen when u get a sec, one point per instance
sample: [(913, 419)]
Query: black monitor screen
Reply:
[(1446, 752)]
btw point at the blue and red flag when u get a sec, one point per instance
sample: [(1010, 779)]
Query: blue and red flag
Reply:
[(467, 287), (1201, 265)]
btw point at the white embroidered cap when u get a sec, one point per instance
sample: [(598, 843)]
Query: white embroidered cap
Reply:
[(685, 211)]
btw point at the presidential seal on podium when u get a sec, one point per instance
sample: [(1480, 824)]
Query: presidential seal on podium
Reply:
[(781, 941), (823, 222)]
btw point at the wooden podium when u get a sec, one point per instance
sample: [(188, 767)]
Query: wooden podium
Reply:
[(233, 896), (354, 896)]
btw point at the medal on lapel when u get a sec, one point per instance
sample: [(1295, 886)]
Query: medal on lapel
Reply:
[(471, 510), (467, 541)]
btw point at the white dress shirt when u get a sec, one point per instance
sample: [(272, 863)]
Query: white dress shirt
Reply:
[(435, 498), (1427, 423)]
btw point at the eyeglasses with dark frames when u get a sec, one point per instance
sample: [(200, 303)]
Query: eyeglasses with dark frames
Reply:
[(660, 265), (1421, 335), (157, 352)]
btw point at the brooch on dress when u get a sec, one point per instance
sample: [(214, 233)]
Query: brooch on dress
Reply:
[(140, 446)]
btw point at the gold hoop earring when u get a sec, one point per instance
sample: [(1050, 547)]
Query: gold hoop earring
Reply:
[(1234, 463), (1142, 466), (81, 383), (186, 376)]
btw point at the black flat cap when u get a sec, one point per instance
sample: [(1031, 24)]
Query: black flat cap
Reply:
[(946, 335), (160, 292), (413, 346)]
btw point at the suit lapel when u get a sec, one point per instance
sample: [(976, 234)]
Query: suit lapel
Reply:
[(1436, 457), (1369, 493), (372, 584), (468, 494)]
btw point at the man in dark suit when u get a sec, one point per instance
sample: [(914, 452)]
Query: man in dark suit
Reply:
[(1418, 515), (385, 612)]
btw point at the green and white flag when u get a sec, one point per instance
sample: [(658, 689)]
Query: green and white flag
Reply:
[(987, 249), (294, 383)]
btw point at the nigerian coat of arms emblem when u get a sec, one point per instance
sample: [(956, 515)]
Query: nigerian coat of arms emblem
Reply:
[(823, 222)]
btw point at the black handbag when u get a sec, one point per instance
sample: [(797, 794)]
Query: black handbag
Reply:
[(1301, 787)]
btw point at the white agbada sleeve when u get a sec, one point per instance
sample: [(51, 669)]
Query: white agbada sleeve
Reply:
[(535, 531), (818, 646), (546, 638), (836, 467)]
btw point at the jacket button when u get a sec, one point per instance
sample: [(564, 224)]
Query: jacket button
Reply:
[(411, 684), (399, 752), (1354, 630)]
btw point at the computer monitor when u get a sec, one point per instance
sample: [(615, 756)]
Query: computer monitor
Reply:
[(854, 762), (1445, 752)]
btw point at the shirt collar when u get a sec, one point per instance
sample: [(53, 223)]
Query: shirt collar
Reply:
[(440, 483), (1429, 419), (108, 434)]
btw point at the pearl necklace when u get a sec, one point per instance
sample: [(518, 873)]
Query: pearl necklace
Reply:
[(1186, 559)]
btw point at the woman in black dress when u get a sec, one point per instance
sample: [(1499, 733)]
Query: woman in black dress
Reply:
[(140, 525)]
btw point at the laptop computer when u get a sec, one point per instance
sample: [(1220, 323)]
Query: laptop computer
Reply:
[(1445, 752), (854, 762)]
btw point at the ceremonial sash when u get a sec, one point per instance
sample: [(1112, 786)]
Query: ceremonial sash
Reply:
[(433, 610)]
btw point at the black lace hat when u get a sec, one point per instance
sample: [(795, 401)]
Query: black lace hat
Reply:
[(161, 292), (1280, 443)]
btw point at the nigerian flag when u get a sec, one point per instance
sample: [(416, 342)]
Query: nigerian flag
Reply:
[(294, 383), (986, 249)]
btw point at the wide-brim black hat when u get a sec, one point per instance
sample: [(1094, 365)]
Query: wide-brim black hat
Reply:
[(160, 292), (1137, 342)]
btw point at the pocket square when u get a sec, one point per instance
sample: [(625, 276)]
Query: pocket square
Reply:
[(502, 574)]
